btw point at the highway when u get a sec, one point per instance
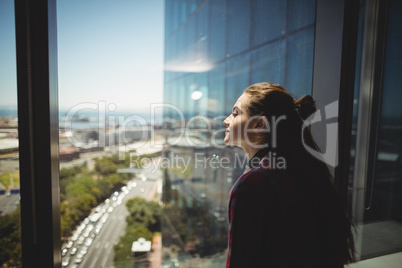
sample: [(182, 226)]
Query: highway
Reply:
[(101, 252), (8, 203)]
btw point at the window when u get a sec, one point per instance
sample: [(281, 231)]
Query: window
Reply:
[(376, 198), (207, 52), (237, 43)]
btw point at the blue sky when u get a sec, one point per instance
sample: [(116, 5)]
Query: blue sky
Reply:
[(8, 83), (108, 51)]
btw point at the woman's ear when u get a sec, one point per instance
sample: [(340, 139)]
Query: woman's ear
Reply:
[(262, 123)]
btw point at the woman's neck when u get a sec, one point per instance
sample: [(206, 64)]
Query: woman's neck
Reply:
[(251, 150)]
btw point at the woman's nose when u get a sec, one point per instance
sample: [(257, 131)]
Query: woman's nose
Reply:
[(226, 122)]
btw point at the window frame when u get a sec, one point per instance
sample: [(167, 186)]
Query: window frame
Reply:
[(36, 41), (334, 75), (38, 128)]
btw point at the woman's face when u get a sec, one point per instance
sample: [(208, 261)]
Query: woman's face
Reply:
[(236, 123)]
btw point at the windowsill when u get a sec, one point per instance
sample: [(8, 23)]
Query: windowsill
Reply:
[(389, 261)]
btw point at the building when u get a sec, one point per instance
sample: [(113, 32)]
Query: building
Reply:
[(340, 53)]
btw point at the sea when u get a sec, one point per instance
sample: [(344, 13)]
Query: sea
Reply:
[(86, 118)]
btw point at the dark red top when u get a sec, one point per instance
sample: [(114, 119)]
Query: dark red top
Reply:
[(272, 222)]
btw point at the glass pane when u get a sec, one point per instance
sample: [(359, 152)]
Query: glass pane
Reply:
[(268, 20), (10, 227), (248, 42), (268, 63), (238, 24), (218, 29), (301, 14), (237, 77), (110, 75), (111, 71), (300, 62), (383, 221), (376, 198)]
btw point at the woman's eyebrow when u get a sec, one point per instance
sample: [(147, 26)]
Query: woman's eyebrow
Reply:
[(236, 108)]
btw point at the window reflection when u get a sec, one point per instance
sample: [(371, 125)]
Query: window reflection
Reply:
[(384, 191), (243, 42), (212, 51), (376, 196)]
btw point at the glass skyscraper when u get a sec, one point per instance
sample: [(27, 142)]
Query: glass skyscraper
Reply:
[(214, 49), (220, 47)]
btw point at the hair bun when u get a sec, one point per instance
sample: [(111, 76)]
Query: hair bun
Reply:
[(305, 106)]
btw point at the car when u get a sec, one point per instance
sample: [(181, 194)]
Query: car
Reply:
[(104, 218), (88, 242), (66, 261), (81, 240), (84, 250), (220, 208), (69, 244), (88, 230), (73, 251), (221, 218), (75, 237), (78, 260), (80, 256)]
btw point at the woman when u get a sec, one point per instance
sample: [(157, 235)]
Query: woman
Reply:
[(284, 211)]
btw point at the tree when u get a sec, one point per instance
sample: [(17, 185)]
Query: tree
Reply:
[(144, 213), (122, 250), (105, 166), (144, 218), (167, 187)]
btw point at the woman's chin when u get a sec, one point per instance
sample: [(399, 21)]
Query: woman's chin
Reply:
[(228, 141)]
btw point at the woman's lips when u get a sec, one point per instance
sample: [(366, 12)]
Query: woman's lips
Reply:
[(226, 132)]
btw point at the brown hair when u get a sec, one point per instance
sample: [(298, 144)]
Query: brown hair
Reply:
[(272, 100), (313, 176)]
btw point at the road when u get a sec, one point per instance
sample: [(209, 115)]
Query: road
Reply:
[(101, 252), (84, 157), (8, 203)]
